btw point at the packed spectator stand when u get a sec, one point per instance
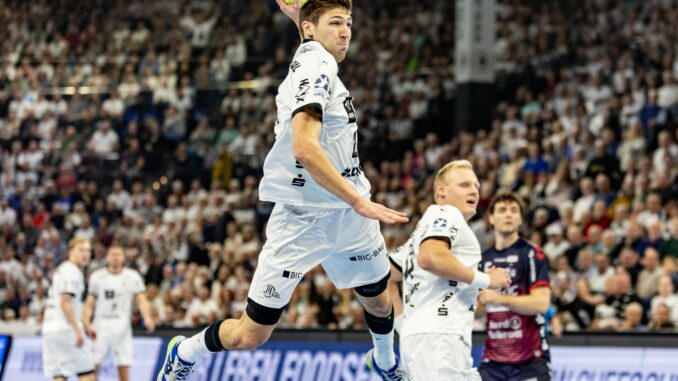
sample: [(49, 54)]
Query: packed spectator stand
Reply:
[(145, 124)]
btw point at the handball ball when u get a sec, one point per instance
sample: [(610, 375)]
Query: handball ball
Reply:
[(290, 2)]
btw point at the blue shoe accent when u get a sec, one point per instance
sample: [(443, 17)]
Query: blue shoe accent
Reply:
[(397, 373), (175, 368)]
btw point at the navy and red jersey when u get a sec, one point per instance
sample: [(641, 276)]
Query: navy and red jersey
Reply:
[(511, 337)]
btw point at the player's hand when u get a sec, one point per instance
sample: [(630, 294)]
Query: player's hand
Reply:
[(150, 325), (89, 330), (79, 339), (369, 209), (499, 278), (292, 10), (486, 297)]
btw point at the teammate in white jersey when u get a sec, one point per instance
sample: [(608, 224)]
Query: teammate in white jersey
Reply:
[(63, 346), (111, 293), (438, 269), (323, 214)]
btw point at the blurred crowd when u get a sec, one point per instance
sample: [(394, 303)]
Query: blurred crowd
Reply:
[(146, 123)]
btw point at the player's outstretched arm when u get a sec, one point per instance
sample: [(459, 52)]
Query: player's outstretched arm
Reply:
[(434, 256), (536, 302), (67, 307), (306, 128), (87, 312)]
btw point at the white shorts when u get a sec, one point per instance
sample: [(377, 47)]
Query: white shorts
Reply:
[(349, 247), (119, 345), (434, 356), (60, 356)]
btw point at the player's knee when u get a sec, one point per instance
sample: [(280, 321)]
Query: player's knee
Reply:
[(261, 314)]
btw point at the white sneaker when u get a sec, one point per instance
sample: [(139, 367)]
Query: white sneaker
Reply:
[(396, 373), (174, 368)]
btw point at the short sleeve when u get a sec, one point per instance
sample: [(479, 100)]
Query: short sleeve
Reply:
[(70, 282), (94, 286), (313, 78), (538, 269), (442, 222), (138, 283)]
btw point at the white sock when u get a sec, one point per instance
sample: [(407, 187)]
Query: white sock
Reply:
[(192, 348), (383, 350)]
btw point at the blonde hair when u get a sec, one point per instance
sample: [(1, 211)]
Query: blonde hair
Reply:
[(440, 176), (76, 241)]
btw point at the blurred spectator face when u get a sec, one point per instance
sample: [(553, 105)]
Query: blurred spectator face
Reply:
[(634, 231), (665, 285), (506, 218), (595, 234), (633, 315), (650, 259), (585, 260), (603, 183), (628, 258), (602, 262), (611, 286), (599, 209), (662, 315), (586, 186), (654, 203)]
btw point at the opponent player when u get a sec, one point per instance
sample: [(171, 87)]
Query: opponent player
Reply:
[(438, 268), (323, 214), (516, 347), (111, 293), (63, 340)]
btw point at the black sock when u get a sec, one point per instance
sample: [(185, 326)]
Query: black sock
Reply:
[(379, 325), (212, 340)]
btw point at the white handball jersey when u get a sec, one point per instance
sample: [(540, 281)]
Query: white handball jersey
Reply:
[(68, 279), (312, 82), (114, 296), (434, 304)]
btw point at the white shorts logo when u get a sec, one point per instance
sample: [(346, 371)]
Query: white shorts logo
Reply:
[(269, 292)]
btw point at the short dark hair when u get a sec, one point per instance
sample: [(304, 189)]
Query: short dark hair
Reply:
[(313, 9), (507, 197)]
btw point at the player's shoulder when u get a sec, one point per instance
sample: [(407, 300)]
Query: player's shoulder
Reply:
[(443, 211), (68, 268), (130, 273), (313, 52)]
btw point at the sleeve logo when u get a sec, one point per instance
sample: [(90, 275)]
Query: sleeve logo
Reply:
[(321, 86)]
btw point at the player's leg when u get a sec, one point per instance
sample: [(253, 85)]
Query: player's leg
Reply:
[(123, 373), (122, 347), (87, 376), (295, 245), (493, 371), (59, 378), (362, 263)]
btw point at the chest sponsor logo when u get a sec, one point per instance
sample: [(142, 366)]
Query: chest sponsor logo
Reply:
[(512, 258)]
